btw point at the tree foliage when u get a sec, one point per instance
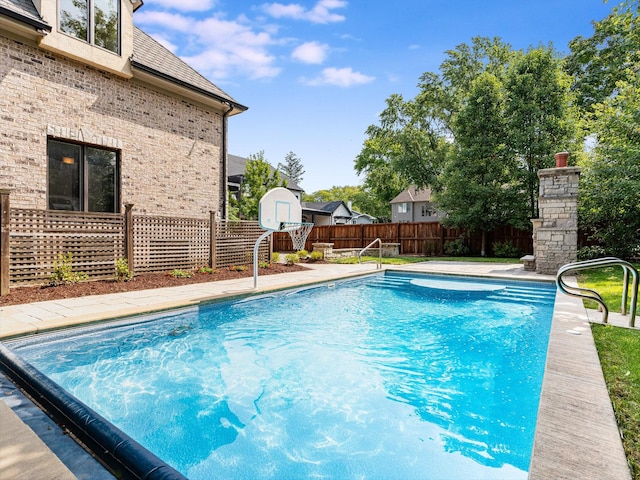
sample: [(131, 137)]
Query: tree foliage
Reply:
[(610, 55), (479, 180), (292, 167), (540, 119), (259, 178), (607, 77)]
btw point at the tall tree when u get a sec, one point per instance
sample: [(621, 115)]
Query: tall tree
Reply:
[(609, 56), (479, 189), (292, 167), (607, 79), (609, 207), (259, 178), (540, 116)]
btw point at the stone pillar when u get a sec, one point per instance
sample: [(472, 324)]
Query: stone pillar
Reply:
[(555, 233)]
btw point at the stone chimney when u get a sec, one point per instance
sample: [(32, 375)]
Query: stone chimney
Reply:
[(555, 232)]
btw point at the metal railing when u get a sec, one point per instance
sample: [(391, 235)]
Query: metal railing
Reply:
[(379, 263), (591, 294)]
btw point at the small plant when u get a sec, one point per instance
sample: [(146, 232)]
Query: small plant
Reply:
[(292, 258), (264, 264), (302, 254), (177, 273), (315, 256), (123, 274), (206, 270), (456, 248), (506, 249), (237, 268), (63, 273), (275, 257)]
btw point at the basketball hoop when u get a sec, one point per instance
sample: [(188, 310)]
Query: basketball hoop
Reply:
[(298, 233)]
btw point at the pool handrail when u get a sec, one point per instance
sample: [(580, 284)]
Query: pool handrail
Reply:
[(591, 294), (379, 263)]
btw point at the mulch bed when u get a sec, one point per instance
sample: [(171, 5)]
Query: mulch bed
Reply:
[(20, 295)]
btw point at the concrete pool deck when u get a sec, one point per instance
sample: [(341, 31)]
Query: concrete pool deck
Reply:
[(576, 434)]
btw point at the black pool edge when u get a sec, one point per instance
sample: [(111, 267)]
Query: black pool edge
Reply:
[(125, 457)]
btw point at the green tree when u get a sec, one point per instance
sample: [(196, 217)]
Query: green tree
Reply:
[(606, 67), (610, 55), (259, 178), (414, 138), (479, 189), (540, 117), (609, 190), (292, 167)]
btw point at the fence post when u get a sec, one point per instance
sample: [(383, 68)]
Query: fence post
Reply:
[(5, 217), (128, 235), (212, 239)]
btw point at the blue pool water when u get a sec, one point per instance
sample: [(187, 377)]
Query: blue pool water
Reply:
[(386, 377)]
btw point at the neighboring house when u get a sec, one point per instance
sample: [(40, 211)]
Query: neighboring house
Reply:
[(361, 218), (97, 114), (326, 213), (236, 177), (412, 205)]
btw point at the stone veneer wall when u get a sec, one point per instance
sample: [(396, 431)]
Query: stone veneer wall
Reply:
[(555, 233), (170, 149)]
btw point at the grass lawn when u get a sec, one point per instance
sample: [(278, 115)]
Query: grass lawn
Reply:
[(608, 283), (619, 351), (401, 260)]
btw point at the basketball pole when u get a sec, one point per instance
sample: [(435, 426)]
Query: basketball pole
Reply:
[(255, 257)]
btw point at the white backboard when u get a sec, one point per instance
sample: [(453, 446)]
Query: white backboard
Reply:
[(276, 206)]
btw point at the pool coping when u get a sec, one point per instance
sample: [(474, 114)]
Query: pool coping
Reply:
[(576, 434)]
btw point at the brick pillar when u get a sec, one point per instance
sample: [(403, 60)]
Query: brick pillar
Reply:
[(555, 233)]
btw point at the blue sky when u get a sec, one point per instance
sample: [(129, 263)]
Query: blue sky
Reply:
[(315, 74)]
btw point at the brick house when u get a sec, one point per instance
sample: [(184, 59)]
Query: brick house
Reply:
[(95, 118)]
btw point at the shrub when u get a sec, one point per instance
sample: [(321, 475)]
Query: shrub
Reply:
[(177, 273), (302, 254), (456, 248), (123, 274), (506, 249), (206, 270), (275, 257), (263, 264), (292, 258), (315, 256), (237, 268), (590, 253), (63, 273)]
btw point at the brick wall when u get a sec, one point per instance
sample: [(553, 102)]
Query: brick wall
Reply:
[(170, 148)]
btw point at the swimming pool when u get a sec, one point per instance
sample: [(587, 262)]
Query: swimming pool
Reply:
[(389, 376)]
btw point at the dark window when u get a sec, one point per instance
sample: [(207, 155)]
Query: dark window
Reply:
[(82, 178), (94, 21)]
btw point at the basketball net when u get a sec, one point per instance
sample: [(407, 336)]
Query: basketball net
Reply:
[(298, 233)]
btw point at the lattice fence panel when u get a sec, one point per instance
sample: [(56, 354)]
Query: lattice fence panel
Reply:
[(38, 236), (235, 241), (167, 243)]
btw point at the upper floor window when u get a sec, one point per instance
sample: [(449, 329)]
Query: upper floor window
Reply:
[(426, 212), (94, 21), (82, 178), (403, 207)]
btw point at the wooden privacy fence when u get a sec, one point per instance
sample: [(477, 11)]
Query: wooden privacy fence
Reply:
[(31, 241), (413, 238)]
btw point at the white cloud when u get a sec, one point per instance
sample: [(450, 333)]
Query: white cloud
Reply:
[(221, 48), (310, 52), (320, 13), (184, 5), (339, 77)]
